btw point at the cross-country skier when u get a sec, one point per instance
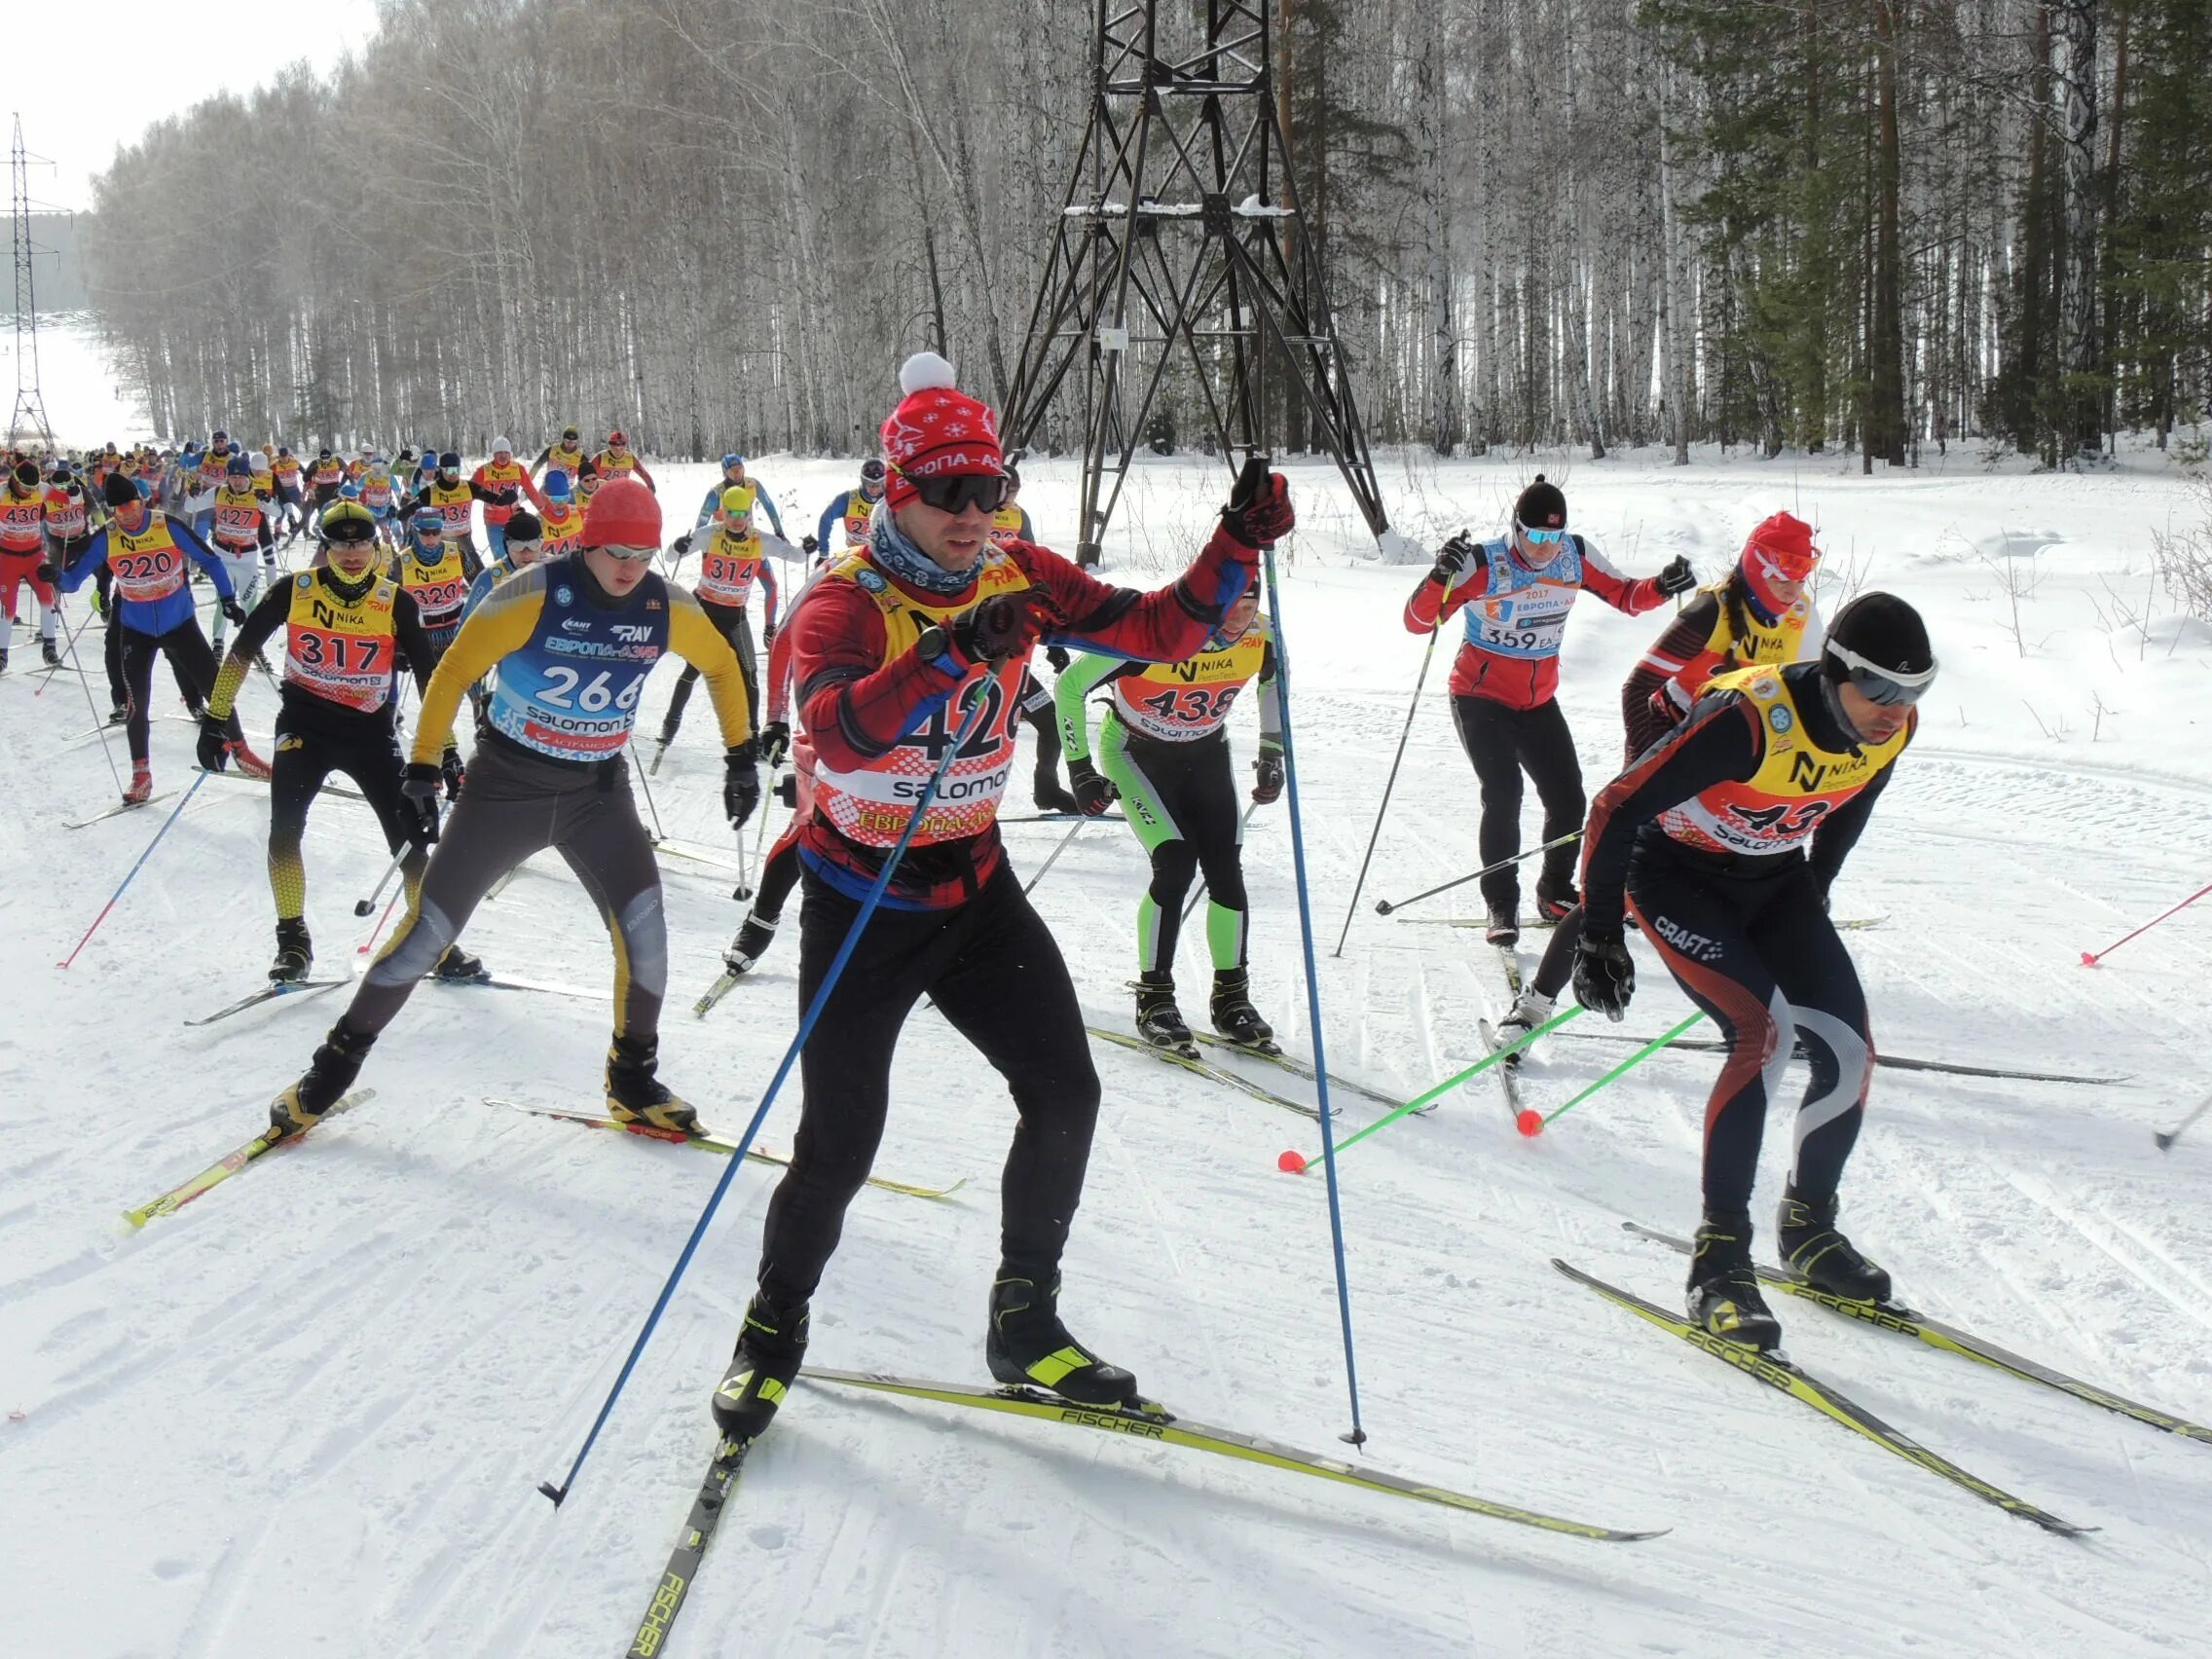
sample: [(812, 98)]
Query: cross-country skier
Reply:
[(844, 521), (524, 546), (284, 468), (146, 550), (1164, 745), (69, 522), (733, 559), (324, 474), (437, 571), (566, 454), (618, 461), (342, 624), (734, 476), (455, 499), (239, 535), (1764, 612), (560, 522), (895, 649), (572, 641), (1706, 835), (500, 483), (1517, 591), (23, 556)]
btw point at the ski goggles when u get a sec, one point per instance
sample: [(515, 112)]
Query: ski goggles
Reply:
[(1891, 688), (516, 544), (628, 554), (1786, 568), (1539, 538), (956, 493)]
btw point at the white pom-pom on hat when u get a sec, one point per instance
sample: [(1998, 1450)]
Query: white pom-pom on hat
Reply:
[(924, 370)]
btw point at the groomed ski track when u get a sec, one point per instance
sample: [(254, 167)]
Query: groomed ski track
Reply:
[(309, 1413)]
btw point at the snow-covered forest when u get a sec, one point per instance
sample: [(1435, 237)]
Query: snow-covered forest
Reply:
[(1871, 226)]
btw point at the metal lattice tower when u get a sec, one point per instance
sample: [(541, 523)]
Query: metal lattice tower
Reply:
[(29, 415), (1182, 240)]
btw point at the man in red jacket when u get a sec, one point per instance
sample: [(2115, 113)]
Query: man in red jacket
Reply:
[(890, 649), (1517, 592)]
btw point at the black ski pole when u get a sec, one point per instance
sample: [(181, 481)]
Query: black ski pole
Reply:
[(1388, 785), (363, 907), (659, 835), (1384, 907)]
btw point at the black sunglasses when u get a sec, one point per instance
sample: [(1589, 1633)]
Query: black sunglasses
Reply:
[(960, 491)]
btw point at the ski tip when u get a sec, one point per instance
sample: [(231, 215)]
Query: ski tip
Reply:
[(556, 1494)]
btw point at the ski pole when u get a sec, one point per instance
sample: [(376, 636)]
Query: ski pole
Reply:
[(370, 944), (363, 907), (2096, 958), (1357, 1435), (1384, 907), (1391, 783), (1198, 888), (2166, 1138), (658, 834), (979, 706), (1074, 829), (68, 646), (1294, 1163), (1531, 1125), (136, 868), (99, 721)]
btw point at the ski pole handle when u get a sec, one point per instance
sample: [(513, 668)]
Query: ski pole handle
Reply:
[(363, 907), (1384, 906)]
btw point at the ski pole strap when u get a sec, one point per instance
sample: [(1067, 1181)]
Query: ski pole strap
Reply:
[(1636, 1059), (1458, 1078), (1384, 907)]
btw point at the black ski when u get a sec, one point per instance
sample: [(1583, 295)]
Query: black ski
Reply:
[(1897, 1063), (1905, 1322), (1199, 1068), (119, 811), (1778, 1372), (269, 993), (722, 1470)]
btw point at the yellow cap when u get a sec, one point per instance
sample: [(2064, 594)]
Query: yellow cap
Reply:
[(737, 500)]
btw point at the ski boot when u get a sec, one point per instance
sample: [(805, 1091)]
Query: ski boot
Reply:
[(49, 651), (1504, 927), (1028, 1347), (248, 763), (141, 788), (457, 965), (1556, 897), (754, 936), (1806, 1235), (1160, 1022), (634, 1096), (769, 1349), (1233, 1015), (1048, 794), (295, 952), (119, 714), (1725, 1296), (2, 659), (329, 1075), (1530, 1010)]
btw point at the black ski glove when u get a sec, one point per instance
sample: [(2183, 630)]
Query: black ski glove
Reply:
[(1605, 974), (452, 771), (1676, 576), (1266, 784), (1093, 795), (1057, 656), (807, 545), (683, 544), (214, 746), (1259, 512), (741, 781), (47, 572), (1005, 625), (1453, 562), (775, 742), (235, 610), (421, 790)]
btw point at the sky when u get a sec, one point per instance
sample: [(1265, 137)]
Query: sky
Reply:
[(76, 119)]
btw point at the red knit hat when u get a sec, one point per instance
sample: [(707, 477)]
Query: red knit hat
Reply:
[(1778, 549), (622, 514), (936, 430)]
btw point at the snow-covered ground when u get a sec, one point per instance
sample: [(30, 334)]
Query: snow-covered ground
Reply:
[(309, 1413)]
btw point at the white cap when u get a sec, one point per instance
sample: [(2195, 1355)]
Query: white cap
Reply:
[(498, 444)]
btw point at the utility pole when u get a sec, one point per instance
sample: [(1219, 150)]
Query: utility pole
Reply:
[(30, 417)]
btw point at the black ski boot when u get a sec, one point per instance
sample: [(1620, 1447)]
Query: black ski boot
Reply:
[(49, 651), (634, 1095), (295, 953), (1030, 1347), (329, 1075), (754, 936), (1555, 897), (1048, 794), (2, 659), (761, 1372), (1233, 1015), (1724, 1291), (1805, 1233), (458, 964), (119, 715), (1504, 922), (1160, 1022)]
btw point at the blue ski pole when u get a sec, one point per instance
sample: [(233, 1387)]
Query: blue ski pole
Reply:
[(136, 868), (979, 704), (1358, 1434)]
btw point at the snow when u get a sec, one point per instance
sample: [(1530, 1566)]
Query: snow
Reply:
[(309, 1413)]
